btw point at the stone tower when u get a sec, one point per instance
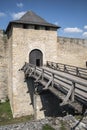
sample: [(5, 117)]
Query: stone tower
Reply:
[(31, 39)]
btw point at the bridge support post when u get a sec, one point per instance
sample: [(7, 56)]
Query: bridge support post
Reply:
[(35, 108), (37, 103), (77, 71), (52, 80), (34, 70), (84, 108), (35, 100), (65, 70), (42, 74), (73, 92)]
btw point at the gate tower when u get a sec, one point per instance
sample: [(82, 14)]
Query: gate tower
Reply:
[(31, 39)]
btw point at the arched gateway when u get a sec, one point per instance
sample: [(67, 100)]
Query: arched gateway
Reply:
[(36, 57)]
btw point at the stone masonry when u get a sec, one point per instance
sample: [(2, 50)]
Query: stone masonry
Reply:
[(67, 50), (3, 68), (14, 52), (72, 51), (26, 40)]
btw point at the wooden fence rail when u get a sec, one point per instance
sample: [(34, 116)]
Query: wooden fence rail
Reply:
[(73, 89), (80, 72)]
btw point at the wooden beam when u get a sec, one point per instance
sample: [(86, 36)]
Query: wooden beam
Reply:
[(69, 94)]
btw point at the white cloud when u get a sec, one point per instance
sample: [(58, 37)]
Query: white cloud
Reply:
[(84, 34), (18, 15), (56, 23), (85, 27), (73, 30), (2, 14), (20, 5)]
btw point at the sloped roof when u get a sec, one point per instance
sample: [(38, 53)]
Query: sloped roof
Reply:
[(32, 18)]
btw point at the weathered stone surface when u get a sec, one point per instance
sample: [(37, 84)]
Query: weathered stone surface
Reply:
[(72, 51), (21, 43), (3, 68), (66, 122), (14, 52)]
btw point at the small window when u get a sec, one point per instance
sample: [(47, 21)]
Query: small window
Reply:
[(41, 28), (36, 27), (25, 26), (53, 29), (47, 28), (31, 26)]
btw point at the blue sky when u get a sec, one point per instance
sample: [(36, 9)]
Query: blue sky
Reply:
[(70, 15)]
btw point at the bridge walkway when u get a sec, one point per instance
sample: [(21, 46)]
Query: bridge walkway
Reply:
[(71, 77), (81, 92), (69, 88)]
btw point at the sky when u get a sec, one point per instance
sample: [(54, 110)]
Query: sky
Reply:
[(70, 15)]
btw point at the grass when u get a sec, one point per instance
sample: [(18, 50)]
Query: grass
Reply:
[(62, 125), (6, 115), (47, 127), (78, 117)]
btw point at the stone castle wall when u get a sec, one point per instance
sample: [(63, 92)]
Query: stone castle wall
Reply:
[(10, 73), (3, 67), (15, 51), (72, 51)]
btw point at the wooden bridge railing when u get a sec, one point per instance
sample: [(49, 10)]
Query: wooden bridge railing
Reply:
[(72, 88), (80, 72)]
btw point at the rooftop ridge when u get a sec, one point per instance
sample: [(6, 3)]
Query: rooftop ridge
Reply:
[(31, 17)]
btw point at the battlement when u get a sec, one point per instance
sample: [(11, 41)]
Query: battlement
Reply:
[(78, 41)]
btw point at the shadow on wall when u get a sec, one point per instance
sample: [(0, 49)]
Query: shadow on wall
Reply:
[(50, 103), (30, 86)]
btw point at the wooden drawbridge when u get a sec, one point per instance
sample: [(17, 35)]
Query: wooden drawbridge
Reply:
[(71, 88)]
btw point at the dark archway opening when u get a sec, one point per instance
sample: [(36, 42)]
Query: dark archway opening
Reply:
[(36, 57)]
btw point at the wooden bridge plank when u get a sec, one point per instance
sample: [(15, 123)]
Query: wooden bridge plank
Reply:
[(72, 77), (58, 81)]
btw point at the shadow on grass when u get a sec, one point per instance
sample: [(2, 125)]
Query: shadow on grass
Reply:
[(6, 115)]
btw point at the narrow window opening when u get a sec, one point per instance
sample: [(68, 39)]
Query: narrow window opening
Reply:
[(47, 28), (36, 27), (25, 26)]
